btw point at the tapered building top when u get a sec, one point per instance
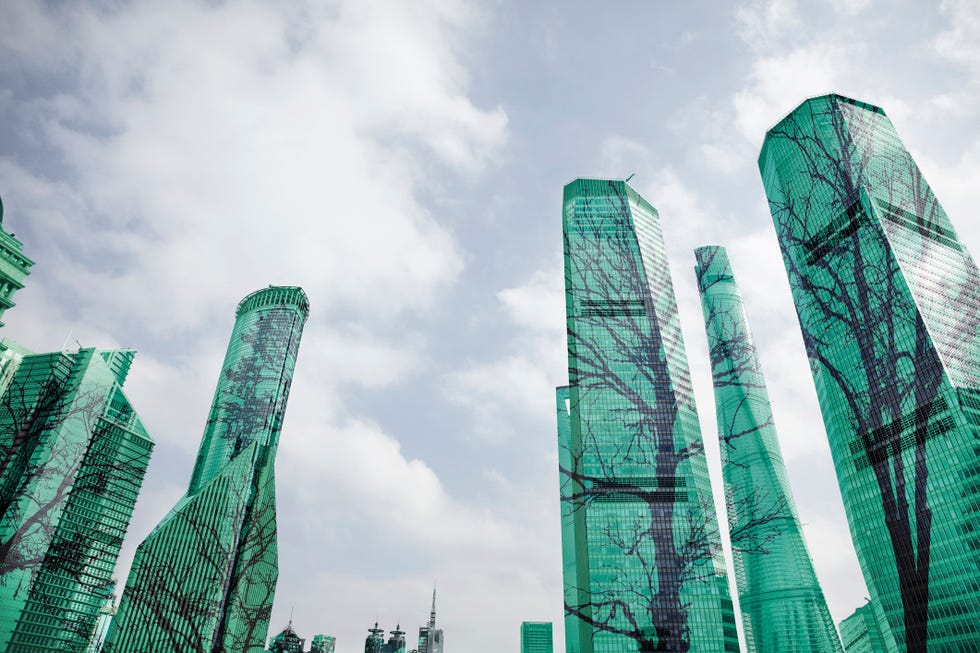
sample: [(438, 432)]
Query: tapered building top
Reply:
[(642, 562), (249, 401), (783, 607)]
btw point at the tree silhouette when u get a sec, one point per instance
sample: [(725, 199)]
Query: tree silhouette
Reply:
[(72, 461), (856, 213)]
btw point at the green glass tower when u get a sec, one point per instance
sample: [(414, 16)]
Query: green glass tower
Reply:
[(862, 632), (642, 558), (14, 267), (73, 453), (205, 578), (783, 608), (323, 644), (537, 637), (888, 300)]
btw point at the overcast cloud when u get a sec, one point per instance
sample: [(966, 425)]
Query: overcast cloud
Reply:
[(403, 162)]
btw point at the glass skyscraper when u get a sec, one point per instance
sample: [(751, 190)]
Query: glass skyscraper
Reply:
[(14, 267), (783, 608), (205, 578), (643, 564), (537, 637), (888, 300), (862, 631), (73, 453)]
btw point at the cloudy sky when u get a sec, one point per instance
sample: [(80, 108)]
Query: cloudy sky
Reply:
[(404, 163)]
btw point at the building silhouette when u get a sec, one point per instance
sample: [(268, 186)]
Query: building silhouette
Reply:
[(207, 573), (888, 300), (783, 608), (287, 641), (537, 637), (643, 566), (14, 267), (73, 453), (430, 637)]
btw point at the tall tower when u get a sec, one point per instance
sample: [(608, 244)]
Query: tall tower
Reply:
[(14, 267), (888, 300), (643, 564), (73, 453), (207, 573), (783, 608)]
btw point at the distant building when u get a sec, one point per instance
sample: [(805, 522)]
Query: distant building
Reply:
[(102, 625), (537, 637), (14, 267), (323, 644), (287, 641), (73, 453), (863, 631), (375, 642)]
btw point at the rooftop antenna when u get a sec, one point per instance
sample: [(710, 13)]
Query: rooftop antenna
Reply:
[(64, 345)]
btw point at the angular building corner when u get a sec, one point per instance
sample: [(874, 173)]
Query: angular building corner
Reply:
[(73, 453), (783, 607), (207, 574), (642, 557), (888, 301)]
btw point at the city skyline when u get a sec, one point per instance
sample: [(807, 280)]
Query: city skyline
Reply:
[(160, 161)]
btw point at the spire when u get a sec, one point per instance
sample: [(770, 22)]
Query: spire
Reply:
[(432, 615)]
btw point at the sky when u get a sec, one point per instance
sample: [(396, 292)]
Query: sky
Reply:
[(404, 164)]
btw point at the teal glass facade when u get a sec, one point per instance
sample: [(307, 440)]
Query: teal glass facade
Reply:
[(73, 453), (205, 578), (783, 608), (14, 267), (537, 637), (642, 557), (888, 301), (862, 632)]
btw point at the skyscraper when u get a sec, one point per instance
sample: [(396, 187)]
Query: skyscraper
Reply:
[(642, 557), (783, 608), (430, 637), (889, 304), (73, 454), (323, 644), (14, 267), (537, 637), (207, 573)]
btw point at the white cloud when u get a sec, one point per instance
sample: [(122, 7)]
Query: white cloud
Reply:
[(764, 23), (777, 83), (961, 43), (224, 141)]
